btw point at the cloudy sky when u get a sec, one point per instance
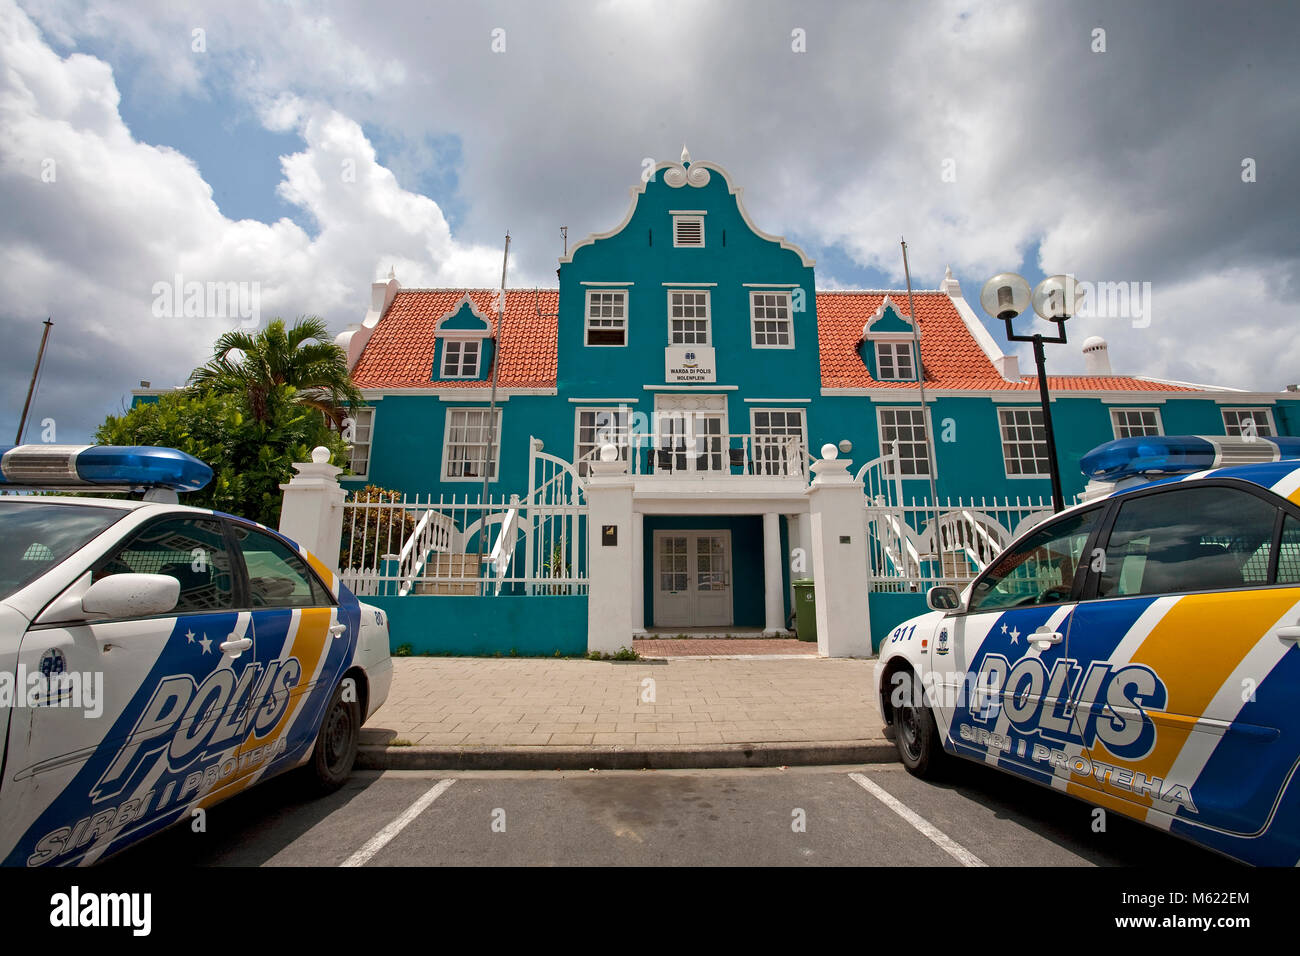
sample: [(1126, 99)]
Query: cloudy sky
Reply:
[(304, 148)]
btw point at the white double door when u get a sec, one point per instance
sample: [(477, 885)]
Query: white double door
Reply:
[(692, 576)]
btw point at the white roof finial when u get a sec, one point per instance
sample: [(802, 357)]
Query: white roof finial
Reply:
[(686, 155), (392, 274), (947, 272)]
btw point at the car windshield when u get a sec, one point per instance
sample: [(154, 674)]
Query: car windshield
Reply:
[(36, 535)]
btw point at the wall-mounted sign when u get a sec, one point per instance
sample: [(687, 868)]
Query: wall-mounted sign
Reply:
[(689, 363), (609, 535)]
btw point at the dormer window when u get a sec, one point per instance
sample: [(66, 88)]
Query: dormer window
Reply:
[(465, 346), (460, 358), (894, 362), (888, 345), (688, 230)]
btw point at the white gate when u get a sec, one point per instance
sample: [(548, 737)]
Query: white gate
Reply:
[(904, 551)]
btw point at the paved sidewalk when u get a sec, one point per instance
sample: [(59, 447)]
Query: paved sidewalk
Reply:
[(729, 646), (491, 713)]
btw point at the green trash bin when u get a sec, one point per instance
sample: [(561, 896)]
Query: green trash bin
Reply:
[(805, 610)]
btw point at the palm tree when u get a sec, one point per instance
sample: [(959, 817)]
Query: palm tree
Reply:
[(302, 357)]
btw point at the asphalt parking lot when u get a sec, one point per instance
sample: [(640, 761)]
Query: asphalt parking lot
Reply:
[(873, 815)]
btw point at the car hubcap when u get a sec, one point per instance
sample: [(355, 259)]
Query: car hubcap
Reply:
[(337, 733), (909, 728)]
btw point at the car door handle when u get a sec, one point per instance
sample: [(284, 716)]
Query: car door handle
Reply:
[(237, 646), (338, 630), (1290, 633), (1046, 638)]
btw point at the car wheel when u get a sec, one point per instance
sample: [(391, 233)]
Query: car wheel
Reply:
[(336, 744), (915, 733)]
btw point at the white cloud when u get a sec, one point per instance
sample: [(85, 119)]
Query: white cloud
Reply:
[(121, 216)]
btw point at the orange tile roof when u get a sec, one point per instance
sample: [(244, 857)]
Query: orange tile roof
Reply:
[(950, 355), (401, 349), (400, 352)]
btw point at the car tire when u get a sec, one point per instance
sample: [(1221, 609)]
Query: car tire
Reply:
[(916, 735), (336, 743)]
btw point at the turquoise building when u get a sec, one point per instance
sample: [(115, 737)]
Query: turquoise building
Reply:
[(700, 347)]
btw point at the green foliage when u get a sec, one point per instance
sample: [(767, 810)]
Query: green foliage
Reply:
[(250, 458), (257, 365), (381, 531)]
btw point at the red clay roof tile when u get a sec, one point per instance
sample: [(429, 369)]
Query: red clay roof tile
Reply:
[(400, 352)]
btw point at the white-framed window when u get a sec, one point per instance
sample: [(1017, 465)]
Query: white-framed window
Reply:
[(1248, 422), (780, 440), (1136, 422), (771, 326), (471, 447), (1024, 442), (460, 357), (606, 317), (903, 431), (688, 231), (688, 317), (595, 427), (361, 421), (894, 362)]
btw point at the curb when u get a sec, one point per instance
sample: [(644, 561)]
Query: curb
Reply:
[(683, 757)]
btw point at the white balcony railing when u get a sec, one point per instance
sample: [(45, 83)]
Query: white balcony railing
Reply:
[(720, 455)]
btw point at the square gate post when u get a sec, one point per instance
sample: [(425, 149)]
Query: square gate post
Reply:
[(311, 511), (610, 559), (839, 560)]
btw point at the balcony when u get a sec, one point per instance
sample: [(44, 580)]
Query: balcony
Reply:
[(676, 464)]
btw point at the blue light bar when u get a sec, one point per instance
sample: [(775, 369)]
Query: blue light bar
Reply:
[(72, 466), (1181, 454)]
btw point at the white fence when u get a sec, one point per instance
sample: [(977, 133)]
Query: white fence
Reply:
[(402, 545), (914, 546)]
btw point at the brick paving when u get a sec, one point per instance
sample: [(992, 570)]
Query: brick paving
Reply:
[(492, 702), (707, 646)]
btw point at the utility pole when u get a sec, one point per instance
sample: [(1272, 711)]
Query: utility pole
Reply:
[(31, 389), (931, 463), (492, 412)]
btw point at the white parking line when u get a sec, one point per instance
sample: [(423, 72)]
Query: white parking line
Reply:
[(382, 838), (950, 846)]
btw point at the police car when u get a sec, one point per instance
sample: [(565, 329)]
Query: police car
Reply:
[(156, 659), (1137, 651)]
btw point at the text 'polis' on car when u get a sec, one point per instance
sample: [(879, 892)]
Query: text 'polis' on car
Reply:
[(1137, 651), (158, 658)]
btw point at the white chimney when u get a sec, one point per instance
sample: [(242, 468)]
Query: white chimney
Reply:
[(1096, 359)]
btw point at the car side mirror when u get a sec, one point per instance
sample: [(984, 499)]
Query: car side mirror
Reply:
[(942, 598), (131, 595)]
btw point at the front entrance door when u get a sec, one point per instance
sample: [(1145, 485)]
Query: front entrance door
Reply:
[(692, 579)]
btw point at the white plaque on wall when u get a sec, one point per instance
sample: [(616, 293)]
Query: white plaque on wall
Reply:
[(689, 363)]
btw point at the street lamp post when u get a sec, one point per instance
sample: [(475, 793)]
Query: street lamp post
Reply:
[(1055, 299)]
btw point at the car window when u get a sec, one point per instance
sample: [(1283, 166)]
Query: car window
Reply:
[(277, 575), (1188, 539), (1040, 569), (34, 537), (190, 549), (1288, 558)]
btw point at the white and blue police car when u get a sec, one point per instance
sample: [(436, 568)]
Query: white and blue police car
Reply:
[(1137, 651), (156, 659)]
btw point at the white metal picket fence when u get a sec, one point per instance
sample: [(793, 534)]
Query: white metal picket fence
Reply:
[(408, 545), (912, 546)]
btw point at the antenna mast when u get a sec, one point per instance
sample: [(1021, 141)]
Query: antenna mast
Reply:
[(31, 389)]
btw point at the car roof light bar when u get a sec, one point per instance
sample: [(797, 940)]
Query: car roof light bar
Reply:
[(101, 466), (1180, 454)]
